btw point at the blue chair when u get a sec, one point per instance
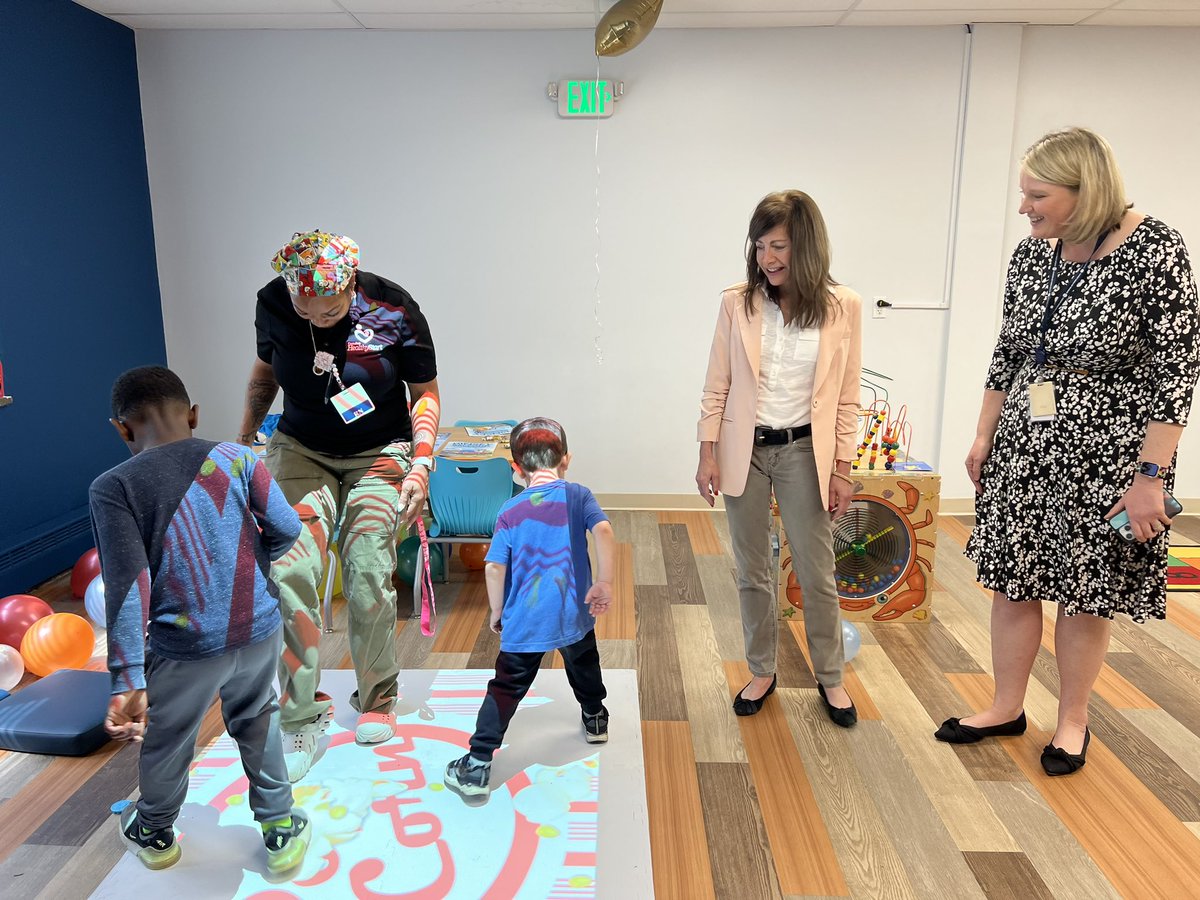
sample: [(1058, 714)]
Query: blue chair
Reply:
[(465, 497), (511, 423)]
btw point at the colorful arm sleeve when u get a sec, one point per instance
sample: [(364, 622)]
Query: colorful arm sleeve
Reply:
[(426, 413)]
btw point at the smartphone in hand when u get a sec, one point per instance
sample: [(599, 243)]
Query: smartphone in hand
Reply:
[(1120, 522)]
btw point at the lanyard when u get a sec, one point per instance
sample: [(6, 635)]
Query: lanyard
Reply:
[(1052, 302)]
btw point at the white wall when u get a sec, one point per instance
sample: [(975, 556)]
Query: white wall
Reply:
[(440, 154), (1137, 87)]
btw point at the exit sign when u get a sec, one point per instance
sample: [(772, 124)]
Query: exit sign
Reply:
[(585, 99)]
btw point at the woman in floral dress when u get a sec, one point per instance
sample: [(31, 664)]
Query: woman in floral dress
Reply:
[(1087, 395)]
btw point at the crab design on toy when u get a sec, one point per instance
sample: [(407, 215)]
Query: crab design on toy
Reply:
[(879, 559)]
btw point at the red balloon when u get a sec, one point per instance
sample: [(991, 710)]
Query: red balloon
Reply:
[(17, 614), (87, 568)]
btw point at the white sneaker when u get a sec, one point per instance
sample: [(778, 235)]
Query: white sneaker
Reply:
[(299, 749), (375, 728)]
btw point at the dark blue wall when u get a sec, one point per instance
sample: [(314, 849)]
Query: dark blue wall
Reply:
[(79, 299)]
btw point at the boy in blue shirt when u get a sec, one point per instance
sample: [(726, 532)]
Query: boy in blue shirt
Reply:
[(186, 532), (540, 589)]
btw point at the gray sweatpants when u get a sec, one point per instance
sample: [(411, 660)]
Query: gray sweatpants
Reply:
[(791, 470), (179, 694)]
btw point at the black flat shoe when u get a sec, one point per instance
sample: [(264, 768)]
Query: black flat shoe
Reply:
[(955, 732), (744, 707), (845, 716), (1057, 761)]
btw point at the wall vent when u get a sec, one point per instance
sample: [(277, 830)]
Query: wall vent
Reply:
[(45, 543)]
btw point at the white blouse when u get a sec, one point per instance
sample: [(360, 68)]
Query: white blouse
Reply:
[(787, 371)]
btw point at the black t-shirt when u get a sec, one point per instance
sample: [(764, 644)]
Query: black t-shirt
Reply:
[(381, 343)]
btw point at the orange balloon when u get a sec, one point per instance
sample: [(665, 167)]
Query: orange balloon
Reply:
[(473, 556), (59, 641)]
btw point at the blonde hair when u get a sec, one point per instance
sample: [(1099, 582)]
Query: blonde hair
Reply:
[(1080, 159), (809, 269)]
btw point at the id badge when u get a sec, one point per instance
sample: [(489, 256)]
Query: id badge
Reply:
[(1041, 401), (353, 403)]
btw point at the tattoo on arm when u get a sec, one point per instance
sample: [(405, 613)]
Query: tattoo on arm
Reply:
[(260, 394)]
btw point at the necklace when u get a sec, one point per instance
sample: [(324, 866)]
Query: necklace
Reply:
[(324, 364)]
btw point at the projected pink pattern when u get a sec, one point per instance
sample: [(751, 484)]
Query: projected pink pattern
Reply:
[(385, 827)]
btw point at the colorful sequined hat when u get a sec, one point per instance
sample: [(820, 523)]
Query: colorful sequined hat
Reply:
[(316, 264)]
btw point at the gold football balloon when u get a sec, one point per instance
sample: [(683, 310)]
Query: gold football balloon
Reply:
[(626, 25)]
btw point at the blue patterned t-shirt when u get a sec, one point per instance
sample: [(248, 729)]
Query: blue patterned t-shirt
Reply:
[(541, 536)]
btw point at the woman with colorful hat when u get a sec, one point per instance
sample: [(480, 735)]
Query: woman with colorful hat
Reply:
[(351, 351)]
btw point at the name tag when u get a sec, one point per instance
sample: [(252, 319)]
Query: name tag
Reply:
[(353, 403), (1041, 401)]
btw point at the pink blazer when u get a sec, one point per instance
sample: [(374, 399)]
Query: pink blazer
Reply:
[(730, 399)]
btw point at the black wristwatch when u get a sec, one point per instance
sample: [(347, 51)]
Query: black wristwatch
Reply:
[(1152, 470)]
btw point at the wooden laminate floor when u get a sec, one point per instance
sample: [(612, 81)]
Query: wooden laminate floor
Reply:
[(784, 804)]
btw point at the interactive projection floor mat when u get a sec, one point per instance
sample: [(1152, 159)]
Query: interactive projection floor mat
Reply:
[(1183, 569), (565, 819)]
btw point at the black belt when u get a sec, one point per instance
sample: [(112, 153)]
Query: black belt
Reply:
[(767, 437)]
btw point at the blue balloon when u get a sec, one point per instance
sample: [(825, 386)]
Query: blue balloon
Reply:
[(851, 639)]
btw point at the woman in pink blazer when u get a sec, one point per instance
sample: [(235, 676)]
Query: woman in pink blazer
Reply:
[(779, 413)]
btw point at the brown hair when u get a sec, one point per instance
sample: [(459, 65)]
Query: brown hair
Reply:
[(809, 267)]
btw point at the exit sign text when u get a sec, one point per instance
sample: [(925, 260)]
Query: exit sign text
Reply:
[(585, 99)]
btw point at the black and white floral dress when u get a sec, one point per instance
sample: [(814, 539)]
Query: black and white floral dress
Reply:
[(1123, 349)]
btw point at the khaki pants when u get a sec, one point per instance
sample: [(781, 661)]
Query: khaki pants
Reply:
[(362, 493), (791, 470)]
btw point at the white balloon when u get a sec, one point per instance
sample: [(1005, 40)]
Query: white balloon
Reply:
[(12, 667), (851, 639), (93, 602)]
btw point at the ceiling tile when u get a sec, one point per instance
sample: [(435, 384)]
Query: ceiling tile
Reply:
[(544, 14), (1135, 17), (240, 21), (743, 19), (976, 5), (964, 17), (733, 7), (476, 7), (1157, 4), (210, 7), (474, 21)]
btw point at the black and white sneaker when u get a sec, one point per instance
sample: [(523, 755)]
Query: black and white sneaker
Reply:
[(154, 849), (287, 841), (595, 727), (469, 776)]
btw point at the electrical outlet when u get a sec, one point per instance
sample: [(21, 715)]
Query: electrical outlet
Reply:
[(879, 307)]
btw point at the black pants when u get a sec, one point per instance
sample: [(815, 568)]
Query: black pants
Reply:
[(514, 675)]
